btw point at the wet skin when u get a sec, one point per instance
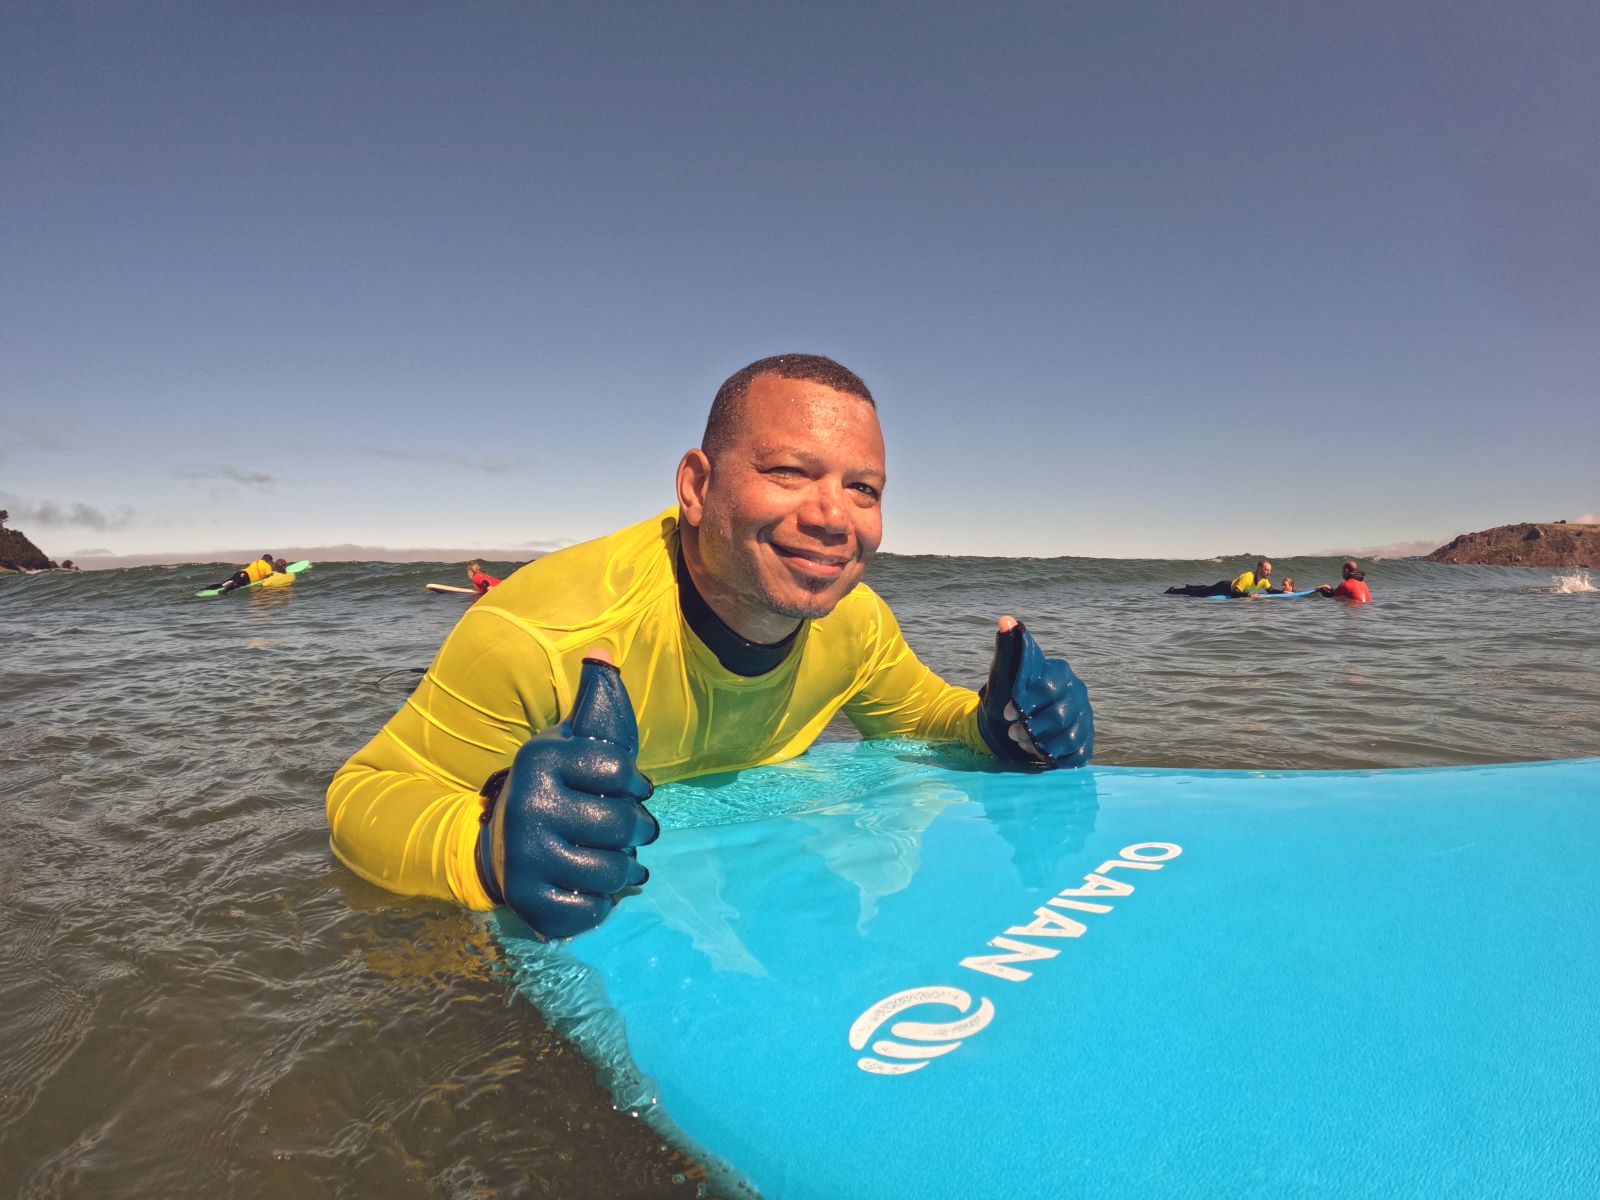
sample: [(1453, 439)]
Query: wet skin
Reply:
[(782, 526)]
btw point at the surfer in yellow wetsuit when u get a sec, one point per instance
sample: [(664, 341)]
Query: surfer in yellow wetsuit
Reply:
[(281, 576), (741, 627), (249, 573), (1246, 583)]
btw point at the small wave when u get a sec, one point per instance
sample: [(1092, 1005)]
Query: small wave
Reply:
[(1578, 581)]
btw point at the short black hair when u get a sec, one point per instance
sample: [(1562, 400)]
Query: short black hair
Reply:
[(727, 409)]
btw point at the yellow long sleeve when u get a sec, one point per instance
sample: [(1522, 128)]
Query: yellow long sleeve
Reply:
[(403, 811)]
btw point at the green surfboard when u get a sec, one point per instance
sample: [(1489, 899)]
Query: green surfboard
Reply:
[(292, 569)]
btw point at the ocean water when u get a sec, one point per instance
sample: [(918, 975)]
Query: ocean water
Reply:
[(196, 999)]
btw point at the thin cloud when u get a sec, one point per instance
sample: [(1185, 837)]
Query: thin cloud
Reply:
[(1392, 550), (459, 462), (20, 435), (232, 475), (75, 515), (545, 545)]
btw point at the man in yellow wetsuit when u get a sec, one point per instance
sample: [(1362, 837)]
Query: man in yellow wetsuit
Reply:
[(249, 573), (281, 576), (1246, 583), (741, 628)]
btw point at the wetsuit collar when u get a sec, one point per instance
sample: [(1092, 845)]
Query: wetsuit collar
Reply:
[(736, 654)]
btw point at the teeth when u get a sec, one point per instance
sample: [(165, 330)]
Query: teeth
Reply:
[(816, 559)]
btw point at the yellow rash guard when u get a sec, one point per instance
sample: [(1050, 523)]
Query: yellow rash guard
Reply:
[(258, 570), (1246, 583), (404, 810)]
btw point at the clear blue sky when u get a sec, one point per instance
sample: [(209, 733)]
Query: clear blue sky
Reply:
[(1127, 279)]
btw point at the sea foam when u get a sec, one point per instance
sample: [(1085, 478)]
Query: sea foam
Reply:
[(1579, 581)]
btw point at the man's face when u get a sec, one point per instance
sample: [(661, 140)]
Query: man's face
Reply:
[(791, 512), (1263, 567)]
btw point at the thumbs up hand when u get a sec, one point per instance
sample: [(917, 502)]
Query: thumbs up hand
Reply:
[(560, 841), (1034, 709)]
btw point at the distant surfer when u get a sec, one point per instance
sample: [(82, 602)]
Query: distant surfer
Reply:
[(480, 581), (1246, 583), (1352, 588), (251, 572), (724, 632)]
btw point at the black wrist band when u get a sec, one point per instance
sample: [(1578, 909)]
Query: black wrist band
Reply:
[(490, 791)]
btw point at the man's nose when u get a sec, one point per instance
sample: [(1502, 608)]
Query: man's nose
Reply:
[(825, 507)]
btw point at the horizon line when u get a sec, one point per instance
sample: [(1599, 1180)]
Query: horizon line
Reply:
[(344, 552), (456, 555)]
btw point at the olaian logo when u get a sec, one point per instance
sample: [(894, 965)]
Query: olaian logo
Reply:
[(931, 1040), (1014, 963)]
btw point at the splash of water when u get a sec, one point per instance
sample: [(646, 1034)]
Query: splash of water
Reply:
[(1577, 582)]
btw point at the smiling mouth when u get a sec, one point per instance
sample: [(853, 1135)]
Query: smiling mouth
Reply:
[(813, 560)]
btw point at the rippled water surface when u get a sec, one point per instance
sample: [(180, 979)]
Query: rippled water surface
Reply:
[(196, 999)]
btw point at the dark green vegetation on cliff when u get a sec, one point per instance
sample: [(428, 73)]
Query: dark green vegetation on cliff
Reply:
[(17, 553), (1554, 545)]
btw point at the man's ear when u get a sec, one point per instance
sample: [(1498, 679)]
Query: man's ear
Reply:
[(694, 478)]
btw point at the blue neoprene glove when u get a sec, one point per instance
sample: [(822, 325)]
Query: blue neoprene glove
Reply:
[(561, 839), (1050, 704)]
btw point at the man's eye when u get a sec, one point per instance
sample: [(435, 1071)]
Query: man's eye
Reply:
[(866, 489)]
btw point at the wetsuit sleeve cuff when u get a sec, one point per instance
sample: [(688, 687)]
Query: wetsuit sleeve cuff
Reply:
[(972, 733), (465, 880)]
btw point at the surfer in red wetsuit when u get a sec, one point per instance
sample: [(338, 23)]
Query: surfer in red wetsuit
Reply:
[(479, 580), (1353, 588)]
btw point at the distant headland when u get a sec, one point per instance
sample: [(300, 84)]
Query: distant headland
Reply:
[(1539, 545), (17, 553), (1558, 544)]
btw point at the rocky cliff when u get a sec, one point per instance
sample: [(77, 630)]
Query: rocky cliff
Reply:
[(1556, 545), (17, 553)]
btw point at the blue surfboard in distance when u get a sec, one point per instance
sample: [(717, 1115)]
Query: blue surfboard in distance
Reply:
[(1265, 596), (889, 970)]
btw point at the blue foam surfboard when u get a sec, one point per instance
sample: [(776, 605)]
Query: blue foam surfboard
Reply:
[(921, 976), (1265, 596)]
